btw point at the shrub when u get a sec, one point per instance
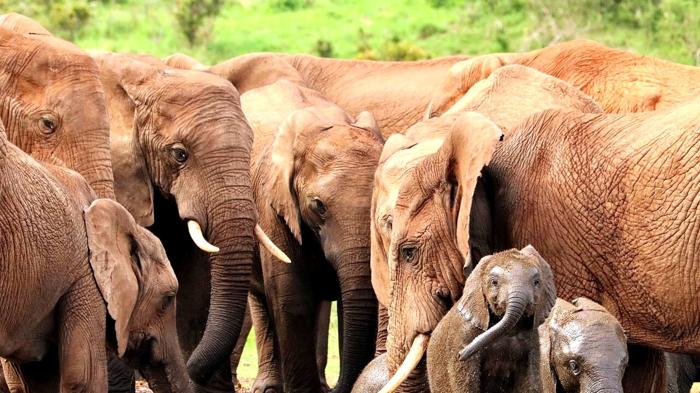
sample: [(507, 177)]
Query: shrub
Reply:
[(324, 48), (193, 17)]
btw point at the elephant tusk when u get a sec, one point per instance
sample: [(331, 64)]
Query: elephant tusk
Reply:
[(198, 238), (415, 354), (269, 245)]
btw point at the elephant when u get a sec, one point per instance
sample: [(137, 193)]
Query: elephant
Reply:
[(506, 298), (582, 349), (312, 168), (64, 255), (374, 377), (588, 191), (395, 92), (181, 157), (52, 102), (620, 81), (681, 371), (428, 157)]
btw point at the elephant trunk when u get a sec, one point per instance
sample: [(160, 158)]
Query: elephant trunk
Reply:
[(230, 223), (609, 381), (97, 171), (359, 313), (166, 372), (518, 299)]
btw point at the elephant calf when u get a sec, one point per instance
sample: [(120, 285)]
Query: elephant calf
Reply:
[(374, 376), (505, 299), (582, 349)]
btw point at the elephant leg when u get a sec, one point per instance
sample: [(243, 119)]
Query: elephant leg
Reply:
[(323, 319), (11, 378), (240, 346), (269, 378), (81, 339), (646, 370), (119, 375), (382, 330), (294, 308)]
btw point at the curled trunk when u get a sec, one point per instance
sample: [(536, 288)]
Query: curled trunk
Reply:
[(517, 301)]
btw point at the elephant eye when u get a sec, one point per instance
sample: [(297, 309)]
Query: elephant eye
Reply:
[(493, 281), (536, 282), (318, 206), (574, 367), (408, 253), (167, 301), (48, 124), (179, 153)]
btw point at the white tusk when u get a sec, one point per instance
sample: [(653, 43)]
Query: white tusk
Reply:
[(271, 247), (198, 237), (415, 354)]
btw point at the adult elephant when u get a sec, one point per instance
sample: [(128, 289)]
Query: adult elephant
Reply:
[(73, 254), (312, 172), (53, 104), (601, 197), (396, 92), (424, 229), (181, 157), (620, 81)]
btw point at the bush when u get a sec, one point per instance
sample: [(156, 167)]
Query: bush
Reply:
[(290, 5), (324, 48), (193, 17)]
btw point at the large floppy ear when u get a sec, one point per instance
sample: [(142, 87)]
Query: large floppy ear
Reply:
[(547, 373), (125, 80), (281, 173), (467, 149), (547, 279), (472, 306), (114, 263)]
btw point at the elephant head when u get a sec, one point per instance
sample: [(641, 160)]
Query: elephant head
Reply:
[(53, 104), (506, 289), (183, 134), (582, 349), (139, 286), (317, 186)]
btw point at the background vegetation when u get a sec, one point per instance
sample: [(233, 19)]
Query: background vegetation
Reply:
[(214, 30)]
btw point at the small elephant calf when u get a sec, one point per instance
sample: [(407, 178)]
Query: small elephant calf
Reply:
[(374, 376), (505, 299), (582, 349)]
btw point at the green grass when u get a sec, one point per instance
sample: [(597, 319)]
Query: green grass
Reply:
[(248, 367), (402, 29)]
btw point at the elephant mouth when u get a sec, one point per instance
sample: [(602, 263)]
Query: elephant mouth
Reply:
[(526, 322)]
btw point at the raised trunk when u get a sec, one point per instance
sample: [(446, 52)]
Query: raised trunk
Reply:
[(359, 315), (517, 301), (230, 223)]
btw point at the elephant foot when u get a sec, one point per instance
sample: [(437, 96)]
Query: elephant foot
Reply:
[(267, 384)]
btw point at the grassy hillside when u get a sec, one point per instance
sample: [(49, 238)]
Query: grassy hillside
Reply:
[(387, 29)]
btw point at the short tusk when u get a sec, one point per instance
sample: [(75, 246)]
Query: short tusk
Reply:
[(198, 238), (415, 354), (271, 247)]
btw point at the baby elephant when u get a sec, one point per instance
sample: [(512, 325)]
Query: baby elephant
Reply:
[(505, 299), (582, 349)]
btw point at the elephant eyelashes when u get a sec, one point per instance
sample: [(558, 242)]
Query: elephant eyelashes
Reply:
[(408, 253), (167, 301), (179, 153), (318, 207), (574, 367), (48, 124)]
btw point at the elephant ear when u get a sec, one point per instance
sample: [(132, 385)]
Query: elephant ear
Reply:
[(114, 262), (473, 306), (125, 81), (366, 121), (282, 159), (548, 377), (547, 278), (467, 149)]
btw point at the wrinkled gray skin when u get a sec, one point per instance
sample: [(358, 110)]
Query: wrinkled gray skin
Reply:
[(505, 299), (681, 372), (373, 377), (582, 349)]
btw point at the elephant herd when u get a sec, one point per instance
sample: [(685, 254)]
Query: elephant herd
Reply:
[(513, 222)]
